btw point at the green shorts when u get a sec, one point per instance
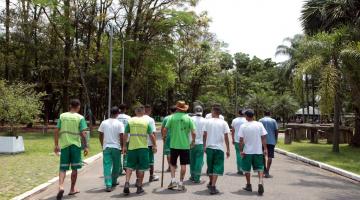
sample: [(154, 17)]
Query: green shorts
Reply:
[(70, 157), (167, 146), (215, 162), (151, 156), (138, 159), (253, 160)]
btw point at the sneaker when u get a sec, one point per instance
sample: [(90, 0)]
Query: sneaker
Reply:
[(127, 188), (139, 190), (191, 179), (115, 184), (172, 185), (108, 189), (180, 187), (153, 178), (248, 188), (261, 189), (240, 173), (213, 190), (208, 185), (267, 176)]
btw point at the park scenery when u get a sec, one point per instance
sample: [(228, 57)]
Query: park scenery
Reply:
[(180, 99)]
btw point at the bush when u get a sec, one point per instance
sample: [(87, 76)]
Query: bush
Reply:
[(19, 104)]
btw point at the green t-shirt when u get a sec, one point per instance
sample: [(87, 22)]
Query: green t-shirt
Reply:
[(71, 125), (181, 126), (163, 124), (138, 129)]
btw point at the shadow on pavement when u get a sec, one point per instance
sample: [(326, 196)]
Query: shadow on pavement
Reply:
[(206, 193), (95, 190), (167, 191), (245, 193), (131, 195)]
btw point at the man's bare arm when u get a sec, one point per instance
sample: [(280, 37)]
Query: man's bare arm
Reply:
[(101, 138), (227, 143), (153, 140), (233, 135), (56, 141)]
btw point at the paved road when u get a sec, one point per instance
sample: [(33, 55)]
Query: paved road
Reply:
[(292, 180)]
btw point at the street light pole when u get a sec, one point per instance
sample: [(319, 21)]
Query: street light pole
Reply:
[(110, 69)]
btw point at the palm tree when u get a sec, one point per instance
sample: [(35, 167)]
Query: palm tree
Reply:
[(284, 107), (327, 15), (351, 61)]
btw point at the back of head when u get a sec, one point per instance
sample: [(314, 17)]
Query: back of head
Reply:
[(249, 113), (122, 108), (216, 109), (241, 112), (267, 113), (75, 104), (114, 111), (198, 110), (148, 109), (139, 110)]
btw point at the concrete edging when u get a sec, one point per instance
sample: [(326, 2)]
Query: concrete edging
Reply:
[(45, 185), (321, 165)]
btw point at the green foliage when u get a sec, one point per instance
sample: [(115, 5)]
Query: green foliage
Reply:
[(284, 106), (19, 103)]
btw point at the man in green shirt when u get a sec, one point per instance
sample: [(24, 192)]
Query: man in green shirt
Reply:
[(181, 125), (71, 133), (138, 129), (166, 138)]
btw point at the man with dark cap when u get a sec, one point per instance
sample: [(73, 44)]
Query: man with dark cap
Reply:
[(252, 142), (111, 139), (197, 151)]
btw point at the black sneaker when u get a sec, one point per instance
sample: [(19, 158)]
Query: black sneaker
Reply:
[(248, 188), (240, 173), (139, 190), (115, 184), (268, 176), (213, 190), (261, 189), (108, 189), (153, 178), (209, 185), (127, 188)]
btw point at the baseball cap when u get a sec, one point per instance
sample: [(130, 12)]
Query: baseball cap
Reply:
[(198, 110)]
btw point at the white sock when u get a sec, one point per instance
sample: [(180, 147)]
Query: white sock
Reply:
[(180, 183), (173, 180)]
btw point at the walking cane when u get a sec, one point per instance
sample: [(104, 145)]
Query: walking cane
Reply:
[(162, 165)]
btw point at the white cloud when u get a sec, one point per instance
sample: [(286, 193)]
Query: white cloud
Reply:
[(255, 27)]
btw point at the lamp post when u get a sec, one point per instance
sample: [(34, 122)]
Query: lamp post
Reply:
[(122, 68), (110, 70)]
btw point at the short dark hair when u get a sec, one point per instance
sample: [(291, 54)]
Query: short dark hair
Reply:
[(122, 107), (114, 110), (267, 113), (74, 103), (173, 109), (216, 105), (147, 106), (250, 113), (217, 109), (241, 112)]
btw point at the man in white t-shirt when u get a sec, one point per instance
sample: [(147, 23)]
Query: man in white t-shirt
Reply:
[(252, 142), (111, 136), (197, 151), (216, 132), (209, 115), (148, 111), (235, 127), (123, 118)]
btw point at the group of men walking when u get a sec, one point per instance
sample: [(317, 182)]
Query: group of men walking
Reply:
[(186, 138)]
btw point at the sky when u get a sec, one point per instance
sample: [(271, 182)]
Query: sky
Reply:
[(255, 27)]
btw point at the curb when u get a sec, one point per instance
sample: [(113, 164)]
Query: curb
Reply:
[(320, 165), (45, 185)]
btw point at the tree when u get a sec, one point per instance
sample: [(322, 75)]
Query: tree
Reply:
[(284, 106), (19, 103)]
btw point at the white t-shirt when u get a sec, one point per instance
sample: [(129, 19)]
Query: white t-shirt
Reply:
[(112, 128), (209, 116), (199, 124), (252, 132), (236, 123), (124, 118), (216, 129), (153, 127)]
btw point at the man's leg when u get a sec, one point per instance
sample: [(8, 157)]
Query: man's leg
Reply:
[(116, 167), (238, 159), (269, 162), (74, 174), (209, 162), (76, 164), (182, 173), (62, 175), (192, 163), (214, 180), (199, 162), (258, 165), (107, 165), (246, 168)]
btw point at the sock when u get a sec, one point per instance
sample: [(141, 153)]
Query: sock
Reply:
[(173, 180), (180, 183)]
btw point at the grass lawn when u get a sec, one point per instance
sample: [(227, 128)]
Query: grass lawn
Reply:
[(348, 158), (22, 172)]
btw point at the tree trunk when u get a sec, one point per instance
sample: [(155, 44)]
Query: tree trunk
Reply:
[(7, 40), (355, 140), (67, 55), (337, 112)]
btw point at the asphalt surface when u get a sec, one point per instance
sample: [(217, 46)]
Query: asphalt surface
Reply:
[(292, 180)]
